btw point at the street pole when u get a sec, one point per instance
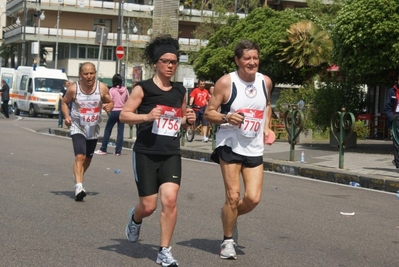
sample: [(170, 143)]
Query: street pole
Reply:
[(100, 50), (128, 41), (38, 44), (41, 17), (23, 52), (119, 34), (58, 27)]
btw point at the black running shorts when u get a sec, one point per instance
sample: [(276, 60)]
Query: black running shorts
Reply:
[(81, 146), (227, 155), (151, 171)]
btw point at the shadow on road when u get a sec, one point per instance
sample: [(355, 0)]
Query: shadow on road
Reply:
[(134, 250)]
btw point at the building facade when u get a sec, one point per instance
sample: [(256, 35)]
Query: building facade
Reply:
[(64, 33)]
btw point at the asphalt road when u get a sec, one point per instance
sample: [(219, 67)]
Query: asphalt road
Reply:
[(298, 222)]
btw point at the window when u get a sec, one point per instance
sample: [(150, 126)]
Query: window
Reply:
[(92, 52), (8, 77), (63, 52), (82, 52), (23, 82), (107, 53), (48, 85)]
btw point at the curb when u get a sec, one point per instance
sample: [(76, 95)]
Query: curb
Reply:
[(286, 167)]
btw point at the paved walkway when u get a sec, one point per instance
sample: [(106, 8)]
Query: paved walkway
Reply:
[(369, 163)]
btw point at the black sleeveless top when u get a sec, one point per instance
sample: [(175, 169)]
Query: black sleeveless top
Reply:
[(147, 142)]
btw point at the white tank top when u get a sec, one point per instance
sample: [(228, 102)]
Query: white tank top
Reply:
[(249, 98), (86, 113)]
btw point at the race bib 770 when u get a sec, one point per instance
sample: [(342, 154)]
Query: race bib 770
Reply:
[(252, 123)]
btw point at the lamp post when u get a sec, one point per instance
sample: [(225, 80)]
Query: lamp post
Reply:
[(41, 16), (60, 2), (135, 30), (119, 34)]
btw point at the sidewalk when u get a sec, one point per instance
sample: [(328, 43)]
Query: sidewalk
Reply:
[(369, 164)]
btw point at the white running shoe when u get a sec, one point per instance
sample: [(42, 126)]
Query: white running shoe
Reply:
[(132, 230), (80, 193), (205, 139), (165, 258), (227, 250), (100, 152)]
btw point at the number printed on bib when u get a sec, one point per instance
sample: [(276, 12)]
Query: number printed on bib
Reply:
[(169, 122), (89, 116), (252, 122)]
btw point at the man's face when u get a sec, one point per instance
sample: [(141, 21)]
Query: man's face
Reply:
[(88, 74), (201, 85), (249, 62)]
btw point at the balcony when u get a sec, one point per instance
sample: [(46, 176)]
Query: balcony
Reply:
[(14, 34)]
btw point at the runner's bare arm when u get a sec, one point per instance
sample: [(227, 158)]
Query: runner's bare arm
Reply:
[(188, 114), (269, 111), (220, 96), (128, 114), (68, 98), (108, 104)]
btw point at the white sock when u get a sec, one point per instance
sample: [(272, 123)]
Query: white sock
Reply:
[(78, 185)]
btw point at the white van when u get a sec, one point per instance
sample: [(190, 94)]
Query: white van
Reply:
[(8, 74), (38, 89)]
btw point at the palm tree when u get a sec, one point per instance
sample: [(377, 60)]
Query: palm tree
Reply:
[(8, 52), (307, 45)]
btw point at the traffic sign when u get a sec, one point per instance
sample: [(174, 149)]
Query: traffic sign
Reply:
[(120, 52)]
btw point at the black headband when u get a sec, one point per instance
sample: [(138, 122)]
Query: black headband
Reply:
[(163, 49)]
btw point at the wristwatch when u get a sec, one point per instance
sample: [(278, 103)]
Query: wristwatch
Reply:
[(224, 119)]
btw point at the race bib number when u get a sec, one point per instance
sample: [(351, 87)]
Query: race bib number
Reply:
[(169, 122), (252, 123), (89, 116)]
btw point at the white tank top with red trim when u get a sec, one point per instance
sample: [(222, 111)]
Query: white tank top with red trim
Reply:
[(245, 139), (86, 113)]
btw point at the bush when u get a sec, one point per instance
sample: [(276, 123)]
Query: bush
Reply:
[(361, 129)]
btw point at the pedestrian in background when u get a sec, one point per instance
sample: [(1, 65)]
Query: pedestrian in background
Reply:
[(243, 97), (391, 109), (5, 97), (88, 96), (119, 94), (62, 93), (198, 100), (158, 107)]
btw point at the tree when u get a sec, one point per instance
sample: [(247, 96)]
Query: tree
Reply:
[(307, 46), (264, 26), (366, 40), (7, 52)]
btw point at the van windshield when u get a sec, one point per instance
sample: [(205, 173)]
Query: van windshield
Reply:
[(48, 85)]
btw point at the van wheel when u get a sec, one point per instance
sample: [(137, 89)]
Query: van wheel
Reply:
[(16, 110), (32, 112)]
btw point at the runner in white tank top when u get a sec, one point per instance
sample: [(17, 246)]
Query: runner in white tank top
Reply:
[(86, 112), (88, 97), (243, 98), (246, 138)]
